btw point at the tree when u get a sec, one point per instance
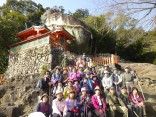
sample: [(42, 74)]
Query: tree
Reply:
[(16, 16), (145, 9), (103, 36), (81, 13)]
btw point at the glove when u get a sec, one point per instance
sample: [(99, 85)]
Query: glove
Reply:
[(100, 111)]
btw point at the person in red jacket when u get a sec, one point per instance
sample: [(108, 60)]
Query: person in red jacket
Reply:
[(98, 103), (138, 102)]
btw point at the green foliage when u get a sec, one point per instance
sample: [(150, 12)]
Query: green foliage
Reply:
[(16, 16), (43, 69), (73, 47), (81, 13), (3, 61), (103, 37)]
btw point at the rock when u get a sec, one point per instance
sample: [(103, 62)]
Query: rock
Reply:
[(2, 91), (11, 111), (74, 26)]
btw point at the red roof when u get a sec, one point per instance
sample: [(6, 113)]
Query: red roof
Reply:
[(32, 31)]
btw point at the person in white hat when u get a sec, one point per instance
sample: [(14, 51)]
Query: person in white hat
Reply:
[(85, 103), (107, 82), (99, 103), (59, 105)]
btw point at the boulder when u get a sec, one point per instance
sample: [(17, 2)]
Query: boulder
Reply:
[(74, 26)]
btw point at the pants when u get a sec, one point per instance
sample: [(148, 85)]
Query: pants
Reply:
[(140, 110), (56, 115), (71, 114), (130, 110), (129, 86), (97, 113), (119, 109), (89, 114)]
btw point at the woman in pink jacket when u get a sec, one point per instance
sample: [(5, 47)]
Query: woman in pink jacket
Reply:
[(74, 74), (138, 102), (98, 103)]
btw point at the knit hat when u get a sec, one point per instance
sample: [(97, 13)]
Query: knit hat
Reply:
[(83, 89), (106, 72)]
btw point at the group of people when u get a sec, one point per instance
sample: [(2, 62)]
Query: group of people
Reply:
[(79, 90)]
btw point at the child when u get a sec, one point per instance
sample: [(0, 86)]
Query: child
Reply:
[(44, 106), (138, 102), (72, 105), (98, 103), (85, 104)]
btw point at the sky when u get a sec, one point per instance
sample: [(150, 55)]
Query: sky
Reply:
[(69, 5), (95, 7)]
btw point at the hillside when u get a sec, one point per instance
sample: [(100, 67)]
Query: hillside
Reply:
[(17, 96)]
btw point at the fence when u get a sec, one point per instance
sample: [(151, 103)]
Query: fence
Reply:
[(106, 60)]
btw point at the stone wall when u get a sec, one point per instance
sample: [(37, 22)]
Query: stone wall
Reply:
[(31, 61)]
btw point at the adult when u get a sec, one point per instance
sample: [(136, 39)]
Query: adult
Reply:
[(85, 103), (99, 103), (138, 102), (107, 82), (128, 79), (73, 110), (117, 80), (116, 104), (68, 88), (65, 62), (56, 76), (59, 105), (65, 76), (44, 83), (44, 106), (126, 100)]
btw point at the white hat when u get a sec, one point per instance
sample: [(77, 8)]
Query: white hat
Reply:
[(58, 91), (36, 114), (106, 72), (83, 89)]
